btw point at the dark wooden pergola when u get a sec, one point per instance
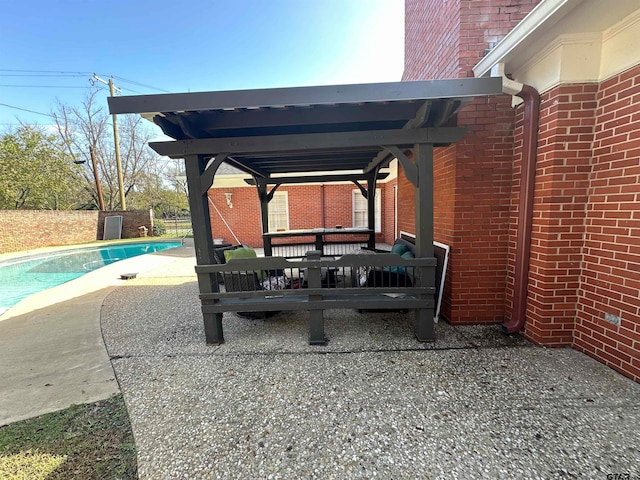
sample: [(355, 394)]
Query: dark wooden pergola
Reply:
[(326, 133)]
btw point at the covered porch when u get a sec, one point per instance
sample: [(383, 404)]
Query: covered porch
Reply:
[(311, 134)]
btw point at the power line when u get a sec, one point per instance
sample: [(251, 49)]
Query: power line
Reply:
[(140, 84), (40, 86), (130, 90), (44, 71), (26, 110), (41, 75), (61, 73)]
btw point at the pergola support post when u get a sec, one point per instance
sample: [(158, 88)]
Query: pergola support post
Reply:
[(316, 317), (423, 160), (263, 195), (195, 167), (371, 208)]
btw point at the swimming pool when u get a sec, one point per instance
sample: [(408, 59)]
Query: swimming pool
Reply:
[(24, 276)]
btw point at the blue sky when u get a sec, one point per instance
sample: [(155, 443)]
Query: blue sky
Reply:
[(49, 49)]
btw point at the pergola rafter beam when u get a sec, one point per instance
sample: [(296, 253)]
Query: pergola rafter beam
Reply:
[(422, 115), (256, 172), (264, 118), (317, 178), (308, 142)]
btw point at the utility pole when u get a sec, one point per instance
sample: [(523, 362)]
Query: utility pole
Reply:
[(116, 139), (94, 162)]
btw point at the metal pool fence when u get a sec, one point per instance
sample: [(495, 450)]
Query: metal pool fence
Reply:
[(176, 226)]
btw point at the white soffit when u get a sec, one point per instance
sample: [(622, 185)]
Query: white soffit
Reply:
[(594, 41)]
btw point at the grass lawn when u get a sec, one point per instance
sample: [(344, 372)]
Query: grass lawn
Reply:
[(90, 441)]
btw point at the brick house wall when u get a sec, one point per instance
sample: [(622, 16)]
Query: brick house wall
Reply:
[(585, 249), (562, 176), (585, 243), (431, 39), (472, 179), (406, 203), (610, 277), (389, 233), (310, 206)]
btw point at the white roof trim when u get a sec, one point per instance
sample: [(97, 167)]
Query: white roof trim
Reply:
[(546, 13)]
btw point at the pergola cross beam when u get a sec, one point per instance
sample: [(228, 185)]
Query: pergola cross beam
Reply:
[(345, 177), (308, 142)]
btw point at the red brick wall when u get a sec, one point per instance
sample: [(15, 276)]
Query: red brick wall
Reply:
[(406, 204), (585, 249), (431, 39), (610, 279), (472, 191), (243, 219), (562, 176), (389, 211), (444, 203), (310, 206), (445, 39), (483, 23), (337, 206), (444, 193), (28, 229), (482, 196)]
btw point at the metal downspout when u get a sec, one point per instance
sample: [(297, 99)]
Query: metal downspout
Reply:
[(531, 99)]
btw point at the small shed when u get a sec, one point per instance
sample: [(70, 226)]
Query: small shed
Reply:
[(308, 134)]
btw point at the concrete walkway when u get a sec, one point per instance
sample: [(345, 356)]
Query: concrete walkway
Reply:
[(371, 403), (51, 350)]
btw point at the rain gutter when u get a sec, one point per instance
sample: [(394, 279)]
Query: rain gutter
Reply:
[(531, 99)]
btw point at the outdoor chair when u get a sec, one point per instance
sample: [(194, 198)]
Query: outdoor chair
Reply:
[(249, 280)]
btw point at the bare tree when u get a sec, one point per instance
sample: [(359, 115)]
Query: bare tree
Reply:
[(88, 125)]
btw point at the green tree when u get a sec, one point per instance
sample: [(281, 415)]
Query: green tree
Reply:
[(35, 171), (159, 189)]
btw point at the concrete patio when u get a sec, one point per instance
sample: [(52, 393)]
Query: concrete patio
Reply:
[(371, 403)]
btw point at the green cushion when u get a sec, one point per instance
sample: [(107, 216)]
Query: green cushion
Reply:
[(399, 249), (239, 253), (408, 255), (245, 252), (400, 269)]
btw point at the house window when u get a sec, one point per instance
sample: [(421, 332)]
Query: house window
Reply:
[(279, 212), (360, 210)]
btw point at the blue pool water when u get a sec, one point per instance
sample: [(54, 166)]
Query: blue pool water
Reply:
[(21, 277)]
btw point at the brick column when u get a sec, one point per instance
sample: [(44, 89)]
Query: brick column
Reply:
[(567, 118)]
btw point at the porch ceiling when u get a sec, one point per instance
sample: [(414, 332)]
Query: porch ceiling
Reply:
[(307, 129)]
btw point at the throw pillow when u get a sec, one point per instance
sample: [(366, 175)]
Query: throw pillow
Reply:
[(399, 249)]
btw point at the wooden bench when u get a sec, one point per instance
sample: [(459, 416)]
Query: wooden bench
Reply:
[(318, 296)]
